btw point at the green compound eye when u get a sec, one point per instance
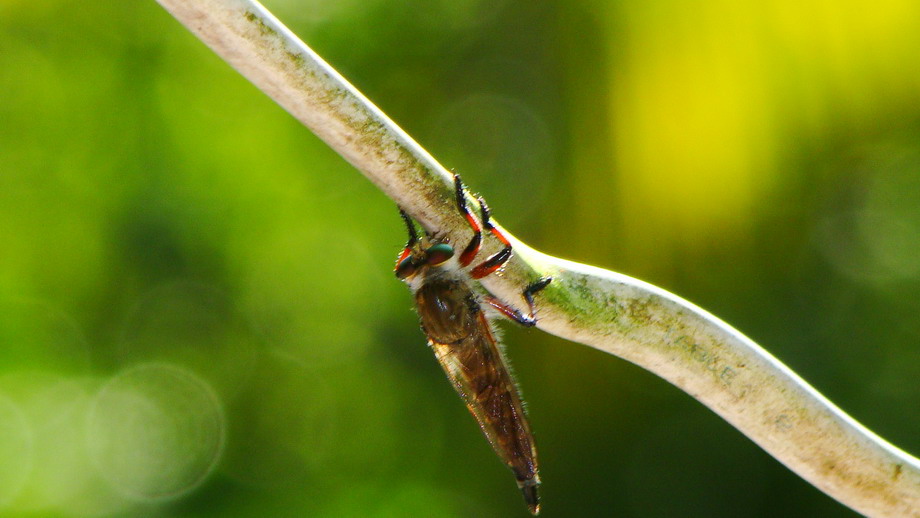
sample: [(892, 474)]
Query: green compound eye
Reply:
[(439, 254)]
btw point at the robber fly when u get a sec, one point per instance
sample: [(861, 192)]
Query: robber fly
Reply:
[(453, 316)]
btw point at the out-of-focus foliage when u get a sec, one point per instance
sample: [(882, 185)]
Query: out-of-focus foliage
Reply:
[(197, 310)]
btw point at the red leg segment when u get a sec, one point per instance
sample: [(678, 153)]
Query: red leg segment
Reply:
[(469, 253), (501, 257), (405, 253)]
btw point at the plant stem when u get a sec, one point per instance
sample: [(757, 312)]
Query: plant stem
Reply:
[(643, 324)]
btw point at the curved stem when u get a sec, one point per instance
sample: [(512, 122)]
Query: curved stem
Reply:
[(643, 324)]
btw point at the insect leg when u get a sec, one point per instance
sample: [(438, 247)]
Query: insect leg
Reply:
[(496, 261), (413, 237), (469, 253), (529, 320)]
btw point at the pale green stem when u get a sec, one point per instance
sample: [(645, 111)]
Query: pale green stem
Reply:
[(643, 324)]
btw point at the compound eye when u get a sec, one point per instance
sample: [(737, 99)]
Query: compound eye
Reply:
[(406, 268), (439, 254)]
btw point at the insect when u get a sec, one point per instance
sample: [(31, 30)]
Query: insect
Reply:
[(452, 312)]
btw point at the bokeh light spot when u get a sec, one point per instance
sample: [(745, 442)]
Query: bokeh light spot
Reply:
[(156, 432)]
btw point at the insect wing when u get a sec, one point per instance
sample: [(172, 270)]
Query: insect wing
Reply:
[(478, 371)]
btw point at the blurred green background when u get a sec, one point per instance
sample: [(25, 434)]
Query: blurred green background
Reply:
[(198, 315)]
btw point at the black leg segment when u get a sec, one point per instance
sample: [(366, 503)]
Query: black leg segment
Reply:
[(410, 227)]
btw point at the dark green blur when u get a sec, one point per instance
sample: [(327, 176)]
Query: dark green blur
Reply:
[(170, 238)]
